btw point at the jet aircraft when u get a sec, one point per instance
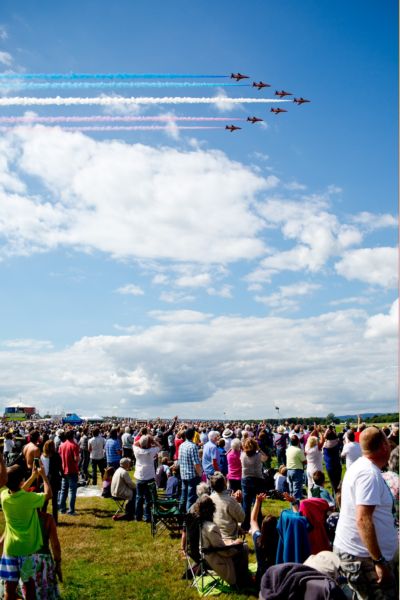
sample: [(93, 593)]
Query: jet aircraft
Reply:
[(254, 119), (232, 127), (282, 93), (260, 84), (300, 100), (239, 76), (278, 110)]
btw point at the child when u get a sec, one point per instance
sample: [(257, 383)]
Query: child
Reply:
[(107, 477), (172, 489), (162, 474), (281, 484), (318, 490)]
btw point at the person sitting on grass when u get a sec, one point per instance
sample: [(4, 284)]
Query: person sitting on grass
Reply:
[(318, 490), (23, 537), (229, 559), (265, 537), (280, 479), (122, 487)]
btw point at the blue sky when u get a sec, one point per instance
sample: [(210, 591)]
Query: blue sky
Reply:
[(203, 273)]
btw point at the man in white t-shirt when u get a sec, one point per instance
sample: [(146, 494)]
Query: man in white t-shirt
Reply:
[(351, 450), (366, 536)]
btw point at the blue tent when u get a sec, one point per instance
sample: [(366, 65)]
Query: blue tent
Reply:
[(72, 419)]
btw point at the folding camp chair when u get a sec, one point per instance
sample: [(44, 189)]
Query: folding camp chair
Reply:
[(120, 504), (198, 573), (165, 514)]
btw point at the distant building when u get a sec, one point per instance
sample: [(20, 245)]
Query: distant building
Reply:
[(18, 411)]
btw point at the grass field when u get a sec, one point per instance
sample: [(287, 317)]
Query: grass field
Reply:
[(111, 560), (104, 559)]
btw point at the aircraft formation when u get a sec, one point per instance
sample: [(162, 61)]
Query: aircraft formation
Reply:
[(260, 85), (109, 81)]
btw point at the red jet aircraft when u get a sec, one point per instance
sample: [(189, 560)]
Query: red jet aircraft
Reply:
[(300, 101), (278, 110), (232, 127), (238, 76), (260, 84), (282, 93), (254, 119)]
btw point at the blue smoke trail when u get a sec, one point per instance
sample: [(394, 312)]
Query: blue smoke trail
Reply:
[(107, 76), (114, 85)]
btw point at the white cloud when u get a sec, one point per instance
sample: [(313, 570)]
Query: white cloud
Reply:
[(377, 266), (160, 279), (195, 281), (173, 297), (5, 57), (3, 33), (224, 291), (287, 298), (384, 326), (225, 106), (126, 200), (373, 221), (131, 290), (28, 344), (317, 233), (202, 366)]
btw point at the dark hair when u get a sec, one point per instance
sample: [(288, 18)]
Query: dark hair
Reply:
[(189, 433), (15, 476), (318, 477), (114, 433), (69, 435), (268, 533), (218, 482), (34, 436), (96, 432), (294, 440), (204, 508), (350, 436)]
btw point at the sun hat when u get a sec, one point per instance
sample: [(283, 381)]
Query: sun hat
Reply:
[(227, 433)]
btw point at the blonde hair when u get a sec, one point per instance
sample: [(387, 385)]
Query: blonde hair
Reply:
[(311, 442)]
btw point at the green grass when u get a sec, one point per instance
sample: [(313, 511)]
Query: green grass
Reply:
[(110, 560)]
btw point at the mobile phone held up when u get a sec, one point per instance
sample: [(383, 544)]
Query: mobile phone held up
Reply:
[(36, 463)]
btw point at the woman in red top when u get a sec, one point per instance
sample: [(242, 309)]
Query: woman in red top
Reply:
[(179, 439)]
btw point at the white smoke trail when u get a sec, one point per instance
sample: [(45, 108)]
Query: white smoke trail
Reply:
[(133, 100)]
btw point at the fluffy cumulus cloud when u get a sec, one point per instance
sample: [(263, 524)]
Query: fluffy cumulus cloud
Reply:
[(316, 233), (384, 325), (199, 365), (130, 289), (376, 266), (125, 200)]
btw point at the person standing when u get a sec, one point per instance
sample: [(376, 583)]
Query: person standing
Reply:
[(366, 536), (351, 449), (69, 452), (96, 450), (127, 443), (113, 449), (295, 462), (23, 536), (210, 460), (145, 451), (190, 470)]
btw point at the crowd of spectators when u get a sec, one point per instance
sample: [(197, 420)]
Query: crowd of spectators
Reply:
[(224, 475)]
